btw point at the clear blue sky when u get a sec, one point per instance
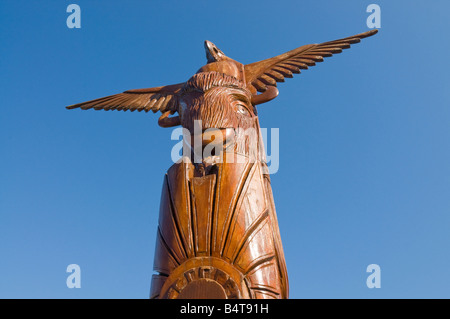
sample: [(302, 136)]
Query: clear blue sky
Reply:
[(364, 172)]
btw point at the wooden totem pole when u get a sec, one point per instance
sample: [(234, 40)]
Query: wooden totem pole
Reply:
[(218, 234)]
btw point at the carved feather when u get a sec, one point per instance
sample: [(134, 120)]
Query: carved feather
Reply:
[(269, 71), (163, 99)]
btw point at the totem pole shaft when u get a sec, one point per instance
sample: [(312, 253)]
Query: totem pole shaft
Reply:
[(218, 235)]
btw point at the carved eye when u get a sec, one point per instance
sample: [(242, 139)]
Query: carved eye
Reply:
[(242, 109)]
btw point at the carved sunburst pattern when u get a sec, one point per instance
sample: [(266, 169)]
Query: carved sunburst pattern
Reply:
[(216, 283), (226, 216)]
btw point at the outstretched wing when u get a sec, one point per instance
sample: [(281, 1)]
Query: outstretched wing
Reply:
[(163, 98), (268, 72)]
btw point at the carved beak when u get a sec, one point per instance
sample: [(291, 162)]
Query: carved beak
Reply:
[(213, 54)]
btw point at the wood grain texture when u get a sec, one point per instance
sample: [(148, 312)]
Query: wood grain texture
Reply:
[(218, 234), (236, 224)]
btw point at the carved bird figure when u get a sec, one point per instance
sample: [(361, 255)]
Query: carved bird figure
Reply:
[(256, 77)]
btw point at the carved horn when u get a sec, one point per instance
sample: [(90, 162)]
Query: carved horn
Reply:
[(269, 94), (166, 121)]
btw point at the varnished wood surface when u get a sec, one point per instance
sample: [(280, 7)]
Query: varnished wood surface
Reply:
[(228, 215), (218, 234)]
